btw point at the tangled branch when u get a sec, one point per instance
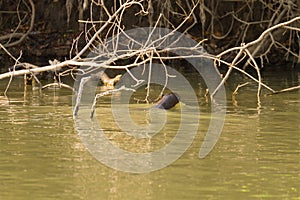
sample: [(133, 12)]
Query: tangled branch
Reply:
[(106, 49), (16, 34)]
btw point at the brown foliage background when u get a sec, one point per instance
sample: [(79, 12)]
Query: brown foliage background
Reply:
[(224, 23)]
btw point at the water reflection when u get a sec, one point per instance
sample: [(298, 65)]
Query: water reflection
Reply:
[(256, 157)]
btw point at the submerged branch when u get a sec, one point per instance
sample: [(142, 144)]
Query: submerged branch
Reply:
[(108, 92), (285, 90)]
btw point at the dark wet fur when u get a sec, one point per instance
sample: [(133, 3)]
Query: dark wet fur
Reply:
[(168, 101)]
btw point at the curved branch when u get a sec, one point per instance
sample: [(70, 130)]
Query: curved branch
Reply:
[(22, 36)]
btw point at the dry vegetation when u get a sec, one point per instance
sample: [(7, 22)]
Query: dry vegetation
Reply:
[(236, 33)]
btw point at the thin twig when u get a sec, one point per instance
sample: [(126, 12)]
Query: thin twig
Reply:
[(286, 90), (21, 35), (108, 92)]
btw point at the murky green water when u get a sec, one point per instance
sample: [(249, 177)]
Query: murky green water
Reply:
[(256, 157)]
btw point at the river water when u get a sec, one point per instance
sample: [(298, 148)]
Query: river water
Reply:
[(256, 157)]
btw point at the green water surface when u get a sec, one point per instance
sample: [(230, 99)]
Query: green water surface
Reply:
[(256, 157)]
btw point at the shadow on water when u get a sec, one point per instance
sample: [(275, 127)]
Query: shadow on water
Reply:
[(256, 157)]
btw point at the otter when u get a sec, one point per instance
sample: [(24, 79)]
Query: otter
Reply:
[(168, 101)]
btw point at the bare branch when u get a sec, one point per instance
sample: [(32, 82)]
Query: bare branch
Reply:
[(21, 36)]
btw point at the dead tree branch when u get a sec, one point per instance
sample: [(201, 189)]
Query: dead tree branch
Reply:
[(16, 34), (105, 47)]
